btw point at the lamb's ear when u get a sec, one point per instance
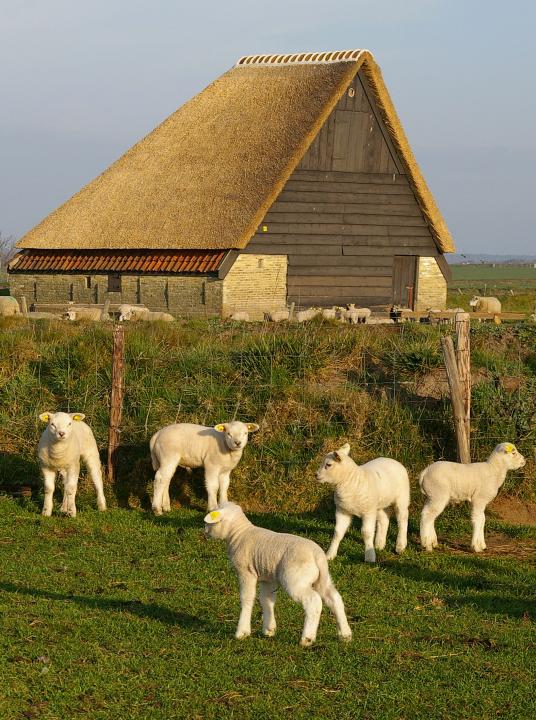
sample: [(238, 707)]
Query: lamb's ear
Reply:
[(509, 448), (213, 517), (252, 427), (45, 417), (220, 427), (345, 449), (77, 416), (336, 456)]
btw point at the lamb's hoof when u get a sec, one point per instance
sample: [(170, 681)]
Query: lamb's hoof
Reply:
[(46, 513), (241, 634), (268, 632), (370, 556), (157, 512), (478, 548), (381, 546), (345, 638), (330, 556), (306, 642), (399, 549), (101, 506)]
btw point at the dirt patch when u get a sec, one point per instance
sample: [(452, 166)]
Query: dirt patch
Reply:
[(434, 384), (514, 511), (500, 545)]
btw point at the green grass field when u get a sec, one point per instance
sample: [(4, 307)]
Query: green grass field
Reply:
[(125, 615), (514, 285)]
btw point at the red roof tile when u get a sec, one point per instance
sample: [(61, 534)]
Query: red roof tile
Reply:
[(137, 261)]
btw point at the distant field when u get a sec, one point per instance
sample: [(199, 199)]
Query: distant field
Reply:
[(525, 275)]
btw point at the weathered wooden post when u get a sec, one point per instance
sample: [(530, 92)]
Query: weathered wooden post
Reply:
[(116, 399), (463, 360), (456, 395), (105, 312), (23, 305)]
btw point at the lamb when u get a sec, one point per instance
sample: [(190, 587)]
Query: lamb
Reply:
[(76, 313), (478, 483), (357, 315), (65, 440), (485, 304), (239, 316), (305, 315), (297, 564), (329, 313), (277, 315), (9, 306), (218, 450), (366, 490), (130, 312)]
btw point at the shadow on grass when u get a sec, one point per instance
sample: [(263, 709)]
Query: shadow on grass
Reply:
[(150, 611), (473, 585)]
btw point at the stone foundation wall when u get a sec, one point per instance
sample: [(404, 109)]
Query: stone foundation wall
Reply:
[(255, 284), (431, 285)]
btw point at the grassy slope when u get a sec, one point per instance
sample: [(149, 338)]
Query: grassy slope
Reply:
[(125, 615)]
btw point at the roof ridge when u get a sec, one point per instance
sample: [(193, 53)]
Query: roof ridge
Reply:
[(304, 58)]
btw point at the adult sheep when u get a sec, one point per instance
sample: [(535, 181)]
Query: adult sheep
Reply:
[(84, 313), (217, 449), (485, 304), (477, 483), (8, 306), (366, 490), (274, 559), (131, 313)]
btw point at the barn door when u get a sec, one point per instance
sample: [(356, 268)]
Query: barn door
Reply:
[(404, 274)]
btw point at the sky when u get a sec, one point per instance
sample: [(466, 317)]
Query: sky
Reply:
[(80, 82)]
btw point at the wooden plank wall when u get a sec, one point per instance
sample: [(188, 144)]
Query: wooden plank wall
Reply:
[(346, 211)]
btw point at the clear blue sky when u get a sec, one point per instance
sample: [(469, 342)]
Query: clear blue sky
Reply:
[(80, 82)]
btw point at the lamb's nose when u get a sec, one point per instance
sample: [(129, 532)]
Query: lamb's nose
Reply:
[(61, 433)]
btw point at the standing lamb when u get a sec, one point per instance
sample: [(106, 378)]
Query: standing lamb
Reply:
[(8, 306), (66, 440), (274, 559), (366, 490), (485, 304), (218, 450), (477, 483)]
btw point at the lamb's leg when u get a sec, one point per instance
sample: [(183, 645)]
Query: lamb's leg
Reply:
[(478, 520), (62, 475), (368, 525), (342, 523), (212, 483), (432, 508), (248, 583), (402, 522), (166, 501), (382, 526), (95, 471), (162, 480), (312, 605), (71, 484), (267, 595), (223, 482), (334, 602), (49, 478)]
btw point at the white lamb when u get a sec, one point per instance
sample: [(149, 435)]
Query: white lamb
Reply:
[(485, 304), (66, 440), (357, 315), (218, 450), (132, 313), (477, 483), (277, 315), (366, 490), (8, 306), (297, 564), (242, 316), (306, 315), (94, 314)]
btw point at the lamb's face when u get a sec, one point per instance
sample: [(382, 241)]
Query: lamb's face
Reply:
[(474, 301), (70, 315), (236, 433), (510, 455), (218, 523), (60, 424), (332, 469)]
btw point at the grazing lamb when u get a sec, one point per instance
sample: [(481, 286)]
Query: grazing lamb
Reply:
[(274, 559), (94, 314), (8, 306), (239, 316), (66, 440), (485, 304), (277, 315), (366, 490), (477, 483), (218, 450)]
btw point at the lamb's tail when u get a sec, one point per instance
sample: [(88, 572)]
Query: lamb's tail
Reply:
[(421, 480), (154, 458), (323, 582)]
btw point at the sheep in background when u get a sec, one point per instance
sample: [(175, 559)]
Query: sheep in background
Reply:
[(485, 304), (297, 564), (305, 315), (66, 440), (8, 306), (218, 450), (366, 490), (477, 483), (131, 313), (358, 315), (277, 315), (242, 316), (76, 313)]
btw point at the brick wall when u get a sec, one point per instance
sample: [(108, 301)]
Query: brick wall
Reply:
[(256, 284), (431, 285)]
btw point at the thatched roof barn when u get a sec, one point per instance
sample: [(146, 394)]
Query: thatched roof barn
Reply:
[(288, 179)]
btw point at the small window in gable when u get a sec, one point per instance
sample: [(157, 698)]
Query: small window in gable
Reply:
[(114, 282)]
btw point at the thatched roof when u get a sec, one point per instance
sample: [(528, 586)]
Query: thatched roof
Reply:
[(206, 176)]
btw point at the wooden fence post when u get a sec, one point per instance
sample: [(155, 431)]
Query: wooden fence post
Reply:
[(116, 399), (23, 305), (463, 359), (456, 395)]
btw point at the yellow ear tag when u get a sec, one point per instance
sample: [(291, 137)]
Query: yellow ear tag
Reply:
[(509, 448), (265, 228), (214, 515)]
